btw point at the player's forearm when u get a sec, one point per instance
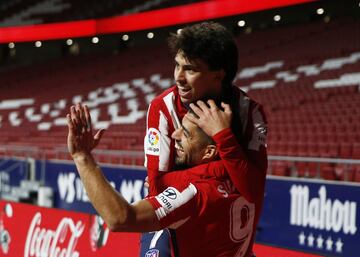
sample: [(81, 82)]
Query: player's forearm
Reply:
[(110, 205), (242, 173)]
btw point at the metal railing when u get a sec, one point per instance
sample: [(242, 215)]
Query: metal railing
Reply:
[(292, 162), (135, 158)]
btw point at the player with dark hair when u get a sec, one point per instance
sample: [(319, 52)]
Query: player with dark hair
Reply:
[(206, 62), (189, 201)]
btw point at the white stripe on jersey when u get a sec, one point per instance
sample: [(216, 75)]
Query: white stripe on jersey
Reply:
[(170, 105), (164, 131), (164, 143), (171, 199), (145, 137), (169, 102)]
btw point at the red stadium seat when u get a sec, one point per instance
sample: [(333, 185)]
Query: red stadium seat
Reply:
[(301, 168), (280, 168), (356, 151), (327, 171), (345, 150)]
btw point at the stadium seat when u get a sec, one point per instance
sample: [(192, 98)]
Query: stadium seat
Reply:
[(345, 150), (280, 168), (304, 120), (327, 171), (356, 151)]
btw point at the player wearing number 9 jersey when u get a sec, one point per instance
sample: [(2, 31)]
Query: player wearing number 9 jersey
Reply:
[(209, 215), (204, 204)]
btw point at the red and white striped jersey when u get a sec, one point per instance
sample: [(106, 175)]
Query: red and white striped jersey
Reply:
[(159, 147), (209, 215)]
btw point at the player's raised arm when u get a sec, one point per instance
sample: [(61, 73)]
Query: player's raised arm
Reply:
[(216, 123), (118, 214)]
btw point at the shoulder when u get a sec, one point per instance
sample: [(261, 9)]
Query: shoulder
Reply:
[(160, 102), (160, 98), (247, 105), (244, 97)]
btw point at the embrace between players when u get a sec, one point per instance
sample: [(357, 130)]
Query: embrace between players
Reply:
[(205, 156)]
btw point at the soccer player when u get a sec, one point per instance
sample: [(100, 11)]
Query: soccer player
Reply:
[(190, 200), (206, 62)]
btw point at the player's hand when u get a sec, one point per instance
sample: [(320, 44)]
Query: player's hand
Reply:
[(80, 139), (210, 118)]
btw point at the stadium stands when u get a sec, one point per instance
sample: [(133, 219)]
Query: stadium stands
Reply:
[(40, 11), (305, 76)]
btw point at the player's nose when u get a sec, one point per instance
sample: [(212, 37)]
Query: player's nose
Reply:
[(179, 76), (176, 134)]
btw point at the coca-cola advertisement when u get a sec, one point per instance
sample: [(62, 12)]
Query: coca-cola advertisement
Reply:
[(29, 231)]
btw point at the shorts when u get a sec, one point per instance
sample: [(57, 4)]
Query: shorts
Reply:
[(158, 243)]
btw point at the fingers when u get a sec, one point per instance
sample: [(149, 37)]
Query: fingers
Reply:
[(192, 118), (98, 137), (202, 106), (196, 109), (87, 118), (74, 116), (99, 134), (70, 123), (226, 107), (202, 109), (81, 115), (212, 104)]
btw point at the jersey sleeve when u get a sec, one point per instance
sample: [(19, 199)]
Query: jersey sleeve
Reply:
[(157, 144), (256, 132), (246, 177), (175, 205)]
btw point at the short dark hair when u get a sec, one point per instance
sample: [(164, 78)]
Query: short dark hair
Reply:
[(210, 42)]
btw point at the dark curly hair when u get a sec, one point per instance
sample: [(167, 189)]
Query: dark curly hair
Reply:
[(210, 42)]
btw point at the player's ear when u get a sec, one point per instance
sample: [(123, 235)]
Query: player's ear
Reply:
[(210, 153)]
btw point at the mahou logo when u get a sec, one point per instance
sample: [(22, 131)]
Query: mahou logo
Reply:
[(42, 242), (321, 212)]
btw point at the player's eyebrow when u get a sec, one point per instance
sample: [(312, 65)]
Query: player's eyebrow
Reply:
[(188, 65), (186, 132)]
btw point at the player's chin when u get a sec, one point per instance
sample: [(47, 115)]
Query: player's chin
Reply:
[(186, 101), (179, 161)]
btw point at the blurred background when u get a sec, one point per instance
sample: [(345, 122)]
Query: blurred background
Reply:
[(300, 59)]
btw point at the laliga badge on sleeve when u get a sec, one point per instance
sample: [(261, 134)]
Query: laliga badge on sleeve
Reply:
[(152, 142)]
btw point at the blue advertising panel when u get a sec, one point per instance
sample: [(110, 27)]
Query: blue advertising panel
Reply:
[(313, 216), (12, 171), (70, 194)]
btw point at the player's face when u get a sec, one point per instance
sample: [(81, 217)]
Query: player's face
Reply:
[(194, 80), (190, 144)]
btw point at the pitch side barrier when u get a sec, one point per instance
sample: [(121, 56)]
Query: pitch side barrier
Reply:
[(29, 230), (311, 215), (52, 232), (306, 215)]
